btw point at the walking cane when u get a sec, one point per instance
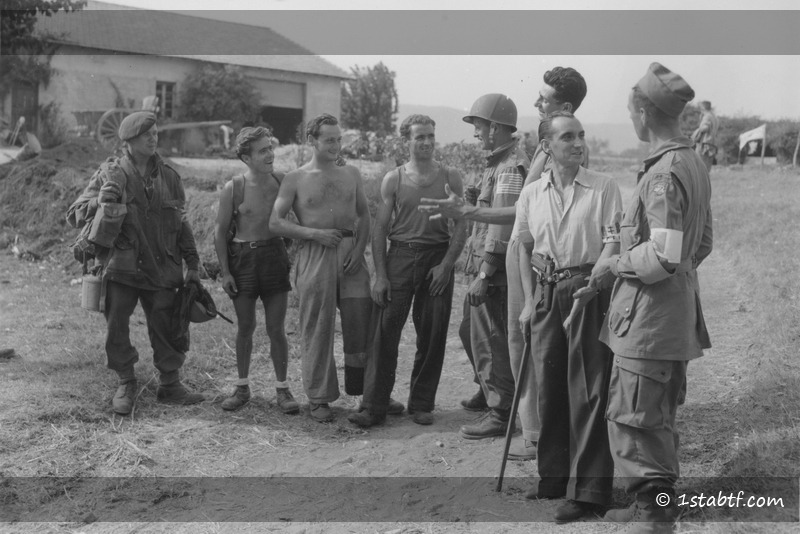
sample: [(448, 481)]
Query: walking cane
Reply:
[(523, 364)]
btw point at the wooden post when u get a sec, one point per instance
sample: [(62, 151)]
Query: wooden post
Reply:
[(763, 146), (796, 149)]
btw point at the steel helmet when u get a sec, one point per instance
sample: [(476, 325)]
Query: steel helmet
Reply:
[(494, 107)]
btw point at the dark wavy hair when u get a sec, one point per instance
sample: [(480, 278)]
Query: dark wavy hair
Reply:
[(569, 85), (411, 120), (247, 136), (315, 125)]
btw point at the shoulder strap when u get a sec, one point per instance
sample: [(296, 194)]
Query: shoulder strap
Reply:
[(238, 193)]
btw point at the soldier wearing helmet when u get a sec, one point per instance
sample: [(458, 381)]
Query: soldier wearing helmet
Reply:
[(484, 329)]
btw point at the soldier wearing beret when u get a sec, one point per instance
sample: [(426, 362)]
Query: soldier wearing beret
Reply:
[(655, 323), (137, 203)]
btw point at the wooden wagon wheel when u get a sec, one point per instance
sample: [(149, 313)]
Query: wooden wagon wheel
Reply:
[(108, 126)]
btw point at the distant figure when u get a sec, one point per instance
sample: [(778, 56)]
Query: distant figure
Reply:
[(705, 136), (333, 231), (254, 264)]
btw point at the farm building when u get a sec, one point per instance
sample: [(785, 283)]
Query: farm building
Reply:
[(111, 56)]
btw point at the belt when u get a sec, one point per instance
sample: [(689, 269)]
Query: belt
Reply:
[(257, 244), (564, 274), (418, 246)]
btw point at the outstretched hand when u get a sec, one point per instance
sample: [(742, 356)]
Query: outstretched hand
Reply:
[(452, 207)]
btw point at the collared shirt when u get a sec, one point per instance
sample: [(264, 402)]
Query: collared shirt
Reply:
[(506, 168), (572, 230)]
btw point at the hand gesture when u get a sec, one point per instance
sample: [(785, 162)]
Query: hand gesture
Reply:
[(451, 207)]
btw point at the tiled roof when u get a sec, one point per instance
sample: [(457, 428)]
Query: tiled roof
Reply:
[(138, 31)]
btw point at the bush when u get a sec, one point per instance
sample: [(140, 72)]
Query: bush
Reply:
[(53, 127)]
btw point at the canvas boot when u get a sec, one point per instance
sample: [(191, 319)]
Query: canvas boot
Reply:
[(494, 423), (477, 403), (124, 397), (240, 397), (286, 402), (177, 393)]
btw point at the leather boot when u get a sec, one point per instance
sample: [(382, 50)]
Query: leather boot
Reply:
[(477, 403), (494, 423), (124, 397), (649, 515)]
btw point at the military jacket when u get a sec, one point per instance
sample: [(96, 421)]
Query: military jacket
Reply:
[(501, 184), (655, 310), (155, 236)]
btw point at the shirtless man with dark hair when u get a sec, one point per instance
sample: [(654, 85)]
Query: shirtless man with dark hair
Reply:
[(333, 230), (254, 264)]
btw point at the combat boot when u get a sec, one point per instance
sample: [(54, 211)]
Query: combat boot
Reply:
[(285, 401), (653, 512), (124, 397), (177, 393), (477, 403), (494, 423), (240, 397)]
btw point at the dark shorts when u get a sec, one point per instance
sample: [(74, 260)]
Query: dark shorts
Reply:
[(262, 271)]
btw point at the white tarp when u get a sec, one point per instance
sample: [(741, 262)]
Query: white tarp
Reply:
[(753, 135)]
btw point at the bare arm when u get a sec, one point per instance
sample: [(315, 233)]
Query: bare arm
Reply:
[(221, 228), (353, 260), (381, 290)]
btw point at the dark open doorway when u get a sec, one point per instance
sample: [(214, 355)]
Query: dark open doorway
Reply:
[(284, 122), (25, 103)]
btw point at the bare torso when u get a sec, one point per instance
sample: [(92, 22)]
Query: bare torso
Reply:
[(252, 223), (326, 199)]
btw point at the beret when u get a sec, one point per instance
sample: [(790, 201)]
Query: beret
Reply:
[(136, 124), (666, 89)]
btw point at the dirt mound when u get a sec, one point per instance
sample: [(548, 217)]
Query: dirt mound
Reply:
[(35, 195)]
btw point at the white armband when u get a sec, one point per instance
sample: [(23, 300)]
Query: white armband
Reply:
[(668, 244)]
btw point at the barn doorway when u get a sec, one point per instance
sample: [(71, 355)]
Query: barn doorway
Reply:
[(283, 121), (25, 103)]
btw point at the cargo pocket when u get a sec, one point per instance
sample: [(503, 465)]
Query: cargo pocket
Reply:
[(638, 393), (171, 221), (623, 308)]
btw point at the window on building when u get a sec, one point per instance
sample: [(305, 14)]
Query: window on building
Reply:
[(165, 91)]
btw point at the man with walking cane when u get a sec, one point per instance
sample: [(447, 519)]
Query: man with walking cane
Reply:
[(568, 221)]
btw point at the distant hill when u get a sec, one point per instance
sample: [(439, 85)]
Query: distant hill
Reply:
[(451, 129)]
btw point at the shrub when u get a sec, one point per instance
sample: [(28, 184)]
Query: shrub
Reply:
[(53, 127)]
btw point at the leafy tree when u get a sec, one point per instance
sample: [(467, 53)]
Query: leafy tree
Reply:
[(369, 102), (219, 92), (26, 54)]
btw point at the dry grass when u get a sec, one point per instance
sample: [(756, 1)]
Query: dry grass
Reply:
[(741, 419)]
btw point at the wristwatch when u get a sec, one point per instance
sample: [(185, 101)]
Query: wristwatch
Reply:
[(482, 275)]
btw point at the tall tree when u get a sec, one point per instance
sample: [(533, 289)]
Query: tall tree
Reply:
[(369, 101), (219, 92), (26, 53)]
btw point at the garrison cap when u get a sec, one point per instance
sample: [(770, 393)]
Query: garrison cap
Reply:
[(666, 89), (136, 124)]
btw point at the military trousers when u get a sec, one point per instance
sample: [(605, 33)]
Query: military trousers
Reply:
[(407, 270), (486, 335), (158, 308), (572, 373), (643, 402)]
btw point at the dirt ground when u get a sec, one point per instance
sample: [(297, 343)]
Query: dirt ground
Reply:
[(387, 473), (200, 469)]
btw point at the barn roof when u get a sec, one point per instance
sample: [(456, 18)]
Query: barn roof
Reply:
[(117, 29)]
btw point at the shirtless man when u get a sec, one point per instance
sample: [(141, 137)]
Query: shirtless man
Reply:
[(254, 264), (333, 230)]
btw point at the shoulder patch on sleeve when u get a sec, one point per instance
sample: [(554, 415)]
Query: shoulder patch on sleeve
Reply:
[(660, 183)]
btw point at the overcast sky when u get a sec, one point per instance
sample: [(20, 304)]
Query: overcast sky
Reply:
[(735, 84)]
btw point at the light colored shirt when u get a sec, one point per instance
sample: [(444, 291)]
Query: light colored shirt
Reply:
[(572, 230)]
